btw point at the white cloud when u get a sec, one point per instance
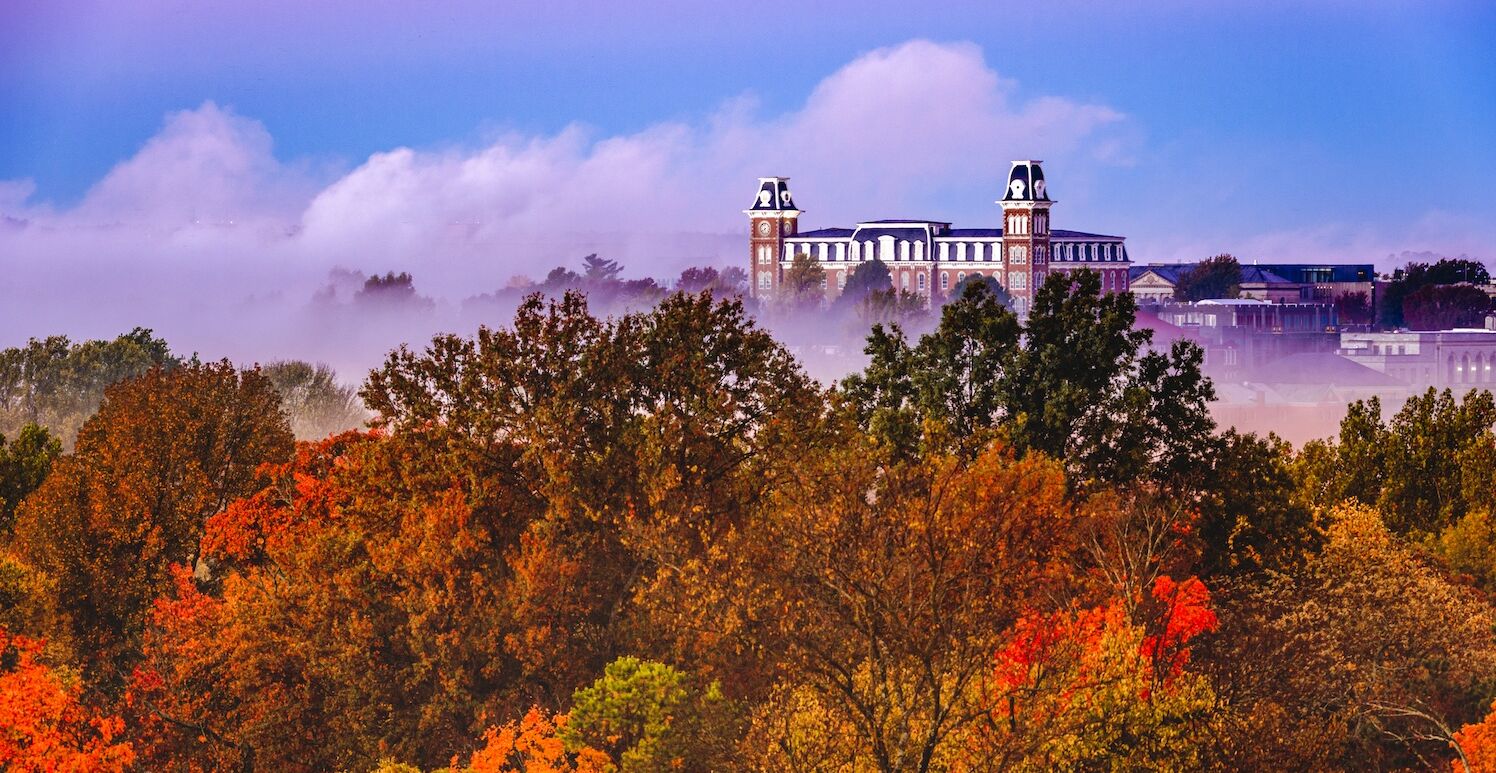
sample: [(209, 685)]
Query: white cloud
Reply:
[(205, 234)]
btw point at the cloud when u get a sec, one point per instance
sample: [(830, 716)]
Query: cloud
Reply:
[(208, 166), (210, 237)]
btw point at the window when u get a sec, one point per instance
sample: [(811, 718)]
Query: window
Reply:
[(945, 281), (1017, 255), (906, 281), (763, 280), (960, 277), (841, 280), (1020, 281), (921, 281)]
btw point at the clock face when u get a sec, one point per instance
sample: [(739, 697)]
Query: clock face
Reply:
[(763, 228)]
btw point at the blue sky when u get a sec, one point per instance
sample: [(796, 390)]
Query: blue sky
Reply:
[(1335, 130)]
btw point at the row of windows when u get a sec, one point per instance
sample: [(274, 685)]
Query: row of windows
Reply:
[(1018, 224), (1088, 251), (889, 250)]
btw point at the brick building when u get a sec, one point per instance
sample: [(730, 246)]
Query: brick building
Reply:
[(930, 257)]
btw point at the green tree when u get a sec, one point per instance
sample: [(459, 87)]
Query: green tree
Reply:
[(316, 404), (1441, 307), (1074, 384), (1252, 512), (1417, 275), (24, 463), (649, 717), (58, 384), (804, 286), (867, 278), (992, 284), (1214, 277), (952, 376), (1083, 389)]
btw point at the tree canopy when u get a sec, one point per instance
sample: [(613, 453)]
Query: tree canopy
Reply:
[(1215, 277)]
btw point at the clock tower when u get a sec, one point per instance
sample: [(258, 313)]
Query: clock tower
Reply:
[(771, 218), (1026, 254)]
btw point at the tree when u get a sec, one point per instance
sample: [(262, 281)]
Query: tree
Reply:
[(1074, 383), (1082, 388), (57, 384), (595, 269), (1093, 689), (391, 291), (514, 522), (1353, 309), (43, 724), (867, 278), (1441, 307), (164, 452), (882, 591), (952, 376), (731, 281), (1214, 277), (647, 716), (24, 463), (804, 286), (992, 284), (1252, 515), (1417, 275), (696, 278), (533, 745), (311, 397), (1350, 656), (1424, 470)]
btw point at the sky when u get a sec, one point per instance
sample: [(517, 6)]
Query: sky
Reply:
[(162, 160)]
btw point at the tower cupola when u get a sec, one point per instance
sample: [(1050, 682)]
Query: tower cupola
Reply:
[(1026, 182)]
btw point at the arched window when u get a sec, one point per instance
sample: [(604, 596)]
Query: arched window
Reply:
[(945, 281), (960, 277), (921, 281), (1465, 368), (1450, 377)]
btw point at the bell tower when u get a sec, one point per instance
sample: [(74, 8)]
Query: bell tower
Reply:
[(1026, 255), (771, 218)]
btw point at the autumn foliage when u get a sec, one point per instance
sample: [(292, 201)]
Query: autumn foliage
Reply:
[(650, 542), (44, 727)]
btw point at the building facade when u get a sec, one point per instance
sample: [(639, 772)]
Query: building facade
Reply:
[(1275, 282), (929, 257), (1457, 359)]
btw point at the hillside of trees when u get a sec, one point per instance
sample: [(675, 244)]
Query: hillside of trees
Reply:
[(646, 540)]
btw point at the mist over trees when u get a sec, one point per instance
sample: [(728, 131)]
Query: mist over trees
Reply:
[(647, 540)]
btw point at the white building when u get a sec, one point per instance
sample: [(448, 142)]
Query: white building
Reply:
[(930, 257)]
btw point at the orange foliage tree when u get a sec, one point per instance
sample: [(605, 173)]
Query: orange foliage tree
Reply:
[(164, 452), (43, 726)]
